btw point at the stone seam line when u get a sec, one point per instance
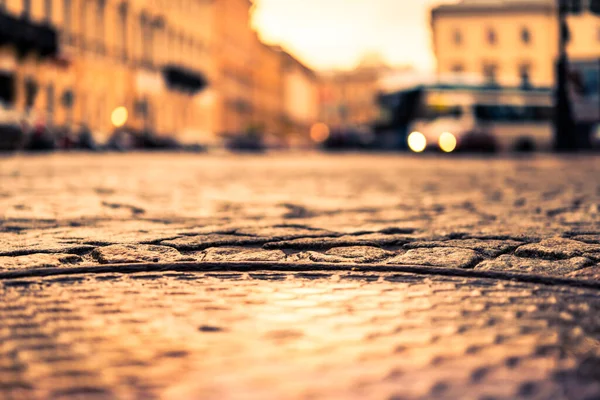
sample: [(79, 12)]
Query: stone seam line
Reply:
[(132, 268)]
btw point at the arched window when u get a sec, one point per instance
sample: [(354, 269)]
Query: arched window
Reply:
[(491, 36), (123, 30), (67, 16), (48, 11), (100, 8), (457, 37), (26, 11), (525, 36)]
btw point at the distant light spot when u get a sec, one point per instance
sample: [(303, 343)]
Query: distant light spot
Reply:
[(319, 132), (417, 142), (447, 142), (119, 116)]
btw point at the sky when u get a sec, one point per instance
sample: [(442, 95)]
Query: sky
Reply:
[(336, 34)]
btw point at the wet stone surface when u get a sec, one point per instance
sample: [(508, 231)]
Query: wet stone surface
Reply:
[(272, 335), (352, 254), (324, 330), (127, 253), (451, 257), (509, 263), (241, 254), (37, 261), (534, 215)]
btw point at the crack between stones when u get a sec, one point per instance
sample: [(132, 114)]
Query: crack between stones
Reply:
[(132, 268)]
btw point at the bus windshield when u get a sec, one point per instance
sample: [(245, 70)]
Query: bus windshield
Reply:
[(430, 112)]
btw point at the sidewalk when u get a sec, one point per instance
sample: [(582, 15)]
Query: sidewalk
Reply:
[(306, 276)]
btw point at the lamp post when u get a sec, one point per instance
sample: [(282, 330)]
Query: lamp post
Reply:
[(563, 117)]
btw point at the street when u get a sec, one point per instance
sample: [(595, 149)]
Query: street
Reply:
[(299, 275)]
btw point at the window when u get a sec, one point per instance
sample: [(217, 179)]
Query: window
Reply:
[(489, 72), (100, 25), (524, 74), (50, 102), (457, 38), (512, 113), (146, 29), (26, 8), (458, 68), (491, 36), (48, 11), (143, 37), (83, 23), (7, 88), (123, 30), (432, 112), (67, 20), (525, 36)]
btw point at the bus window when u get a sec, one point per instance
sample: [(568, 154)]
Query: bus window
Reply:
[(510, 113), (542, 113), (432, 112)]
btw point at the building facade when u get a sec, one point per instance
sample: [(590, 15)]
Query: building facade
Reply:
[(236, 59), (300, 98), (189, 69), (268, 90), (71, 62), (348, 100), (512, 42)]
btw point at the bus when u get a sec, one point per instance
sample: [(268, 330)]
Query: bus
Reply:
[(455, 116)]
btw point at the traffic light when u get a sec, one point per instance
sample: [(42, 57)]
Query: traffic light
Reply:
[(595, 7)]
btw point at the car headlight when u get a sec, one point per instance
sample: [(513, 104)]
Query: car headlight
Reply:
[(447, 142), (417, 142)]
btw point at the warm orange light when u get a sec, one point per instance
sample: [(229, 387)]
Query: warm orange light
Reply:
[(119, 116), (417, 142), (319, 132), (447, 142)]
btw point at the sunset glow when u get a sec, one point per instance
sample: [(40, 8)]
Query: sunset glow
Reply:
[(337, 33)]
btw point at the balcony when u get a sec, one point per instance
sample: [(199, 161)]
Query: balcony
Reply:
[(28, 36), (183, 80)]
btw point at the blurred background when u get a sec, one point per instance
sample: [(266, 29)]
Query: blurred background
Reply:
[(381, 75)]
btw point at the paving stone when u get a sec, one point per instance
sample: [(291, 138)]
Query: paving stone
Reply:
[(283, 232), (137, 253), (241, 254), (37, 261), (512, 263), (12, 244), (558, 248), (451, 257), (590, 273), (352, 254), (372, 239), (194, 335), (588, 238), (201, 242), (490, 248)]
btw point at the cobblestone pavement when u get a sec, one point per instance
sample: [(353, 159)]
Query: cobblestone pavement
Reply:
[(299, 276)]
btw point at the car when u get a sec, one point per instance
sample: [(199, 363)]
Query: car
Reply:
[(12, 136), (340, 140), (245, 142)]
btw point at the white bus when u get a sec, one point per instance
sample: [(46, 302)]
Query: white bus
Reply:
[(469, 117)]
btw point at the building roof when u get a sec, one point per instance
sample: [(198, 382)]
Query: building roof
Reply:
[(486, 6)]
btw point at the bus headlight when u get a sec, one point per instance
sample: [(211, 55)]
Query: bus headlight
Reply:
[(447, 142), (417, 142)]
